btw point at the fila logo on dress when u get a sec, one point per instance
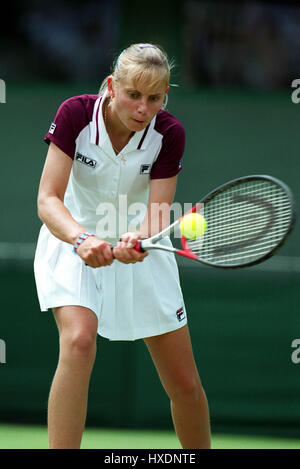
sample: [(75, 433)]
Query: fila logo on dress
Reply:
[(52, 128), (145, 169), (180, 314), (85, 160)]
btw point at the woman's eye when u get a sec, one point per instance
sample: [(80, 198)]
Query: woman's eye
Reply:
[(133, 95)]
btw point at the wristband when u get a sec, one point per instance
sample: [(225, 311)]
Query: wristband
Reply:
[(82, 237)]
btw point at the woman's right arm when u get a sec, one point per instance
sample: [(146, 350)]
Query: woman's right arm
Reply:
[(51, 208), (56, 216)]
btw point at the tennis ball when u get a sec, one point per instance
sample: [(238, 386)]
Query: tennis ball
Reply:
[(192, 225)]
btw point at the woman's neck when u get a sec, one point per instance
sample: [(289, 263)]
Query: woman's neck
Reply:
[(118, 134), (114, 126)]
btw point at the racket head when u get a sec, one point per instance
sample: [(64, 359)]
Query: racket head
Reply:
[(248, 220)]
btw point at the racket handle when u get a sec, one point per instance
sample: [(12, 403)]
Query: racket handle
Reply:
[(138, 247)]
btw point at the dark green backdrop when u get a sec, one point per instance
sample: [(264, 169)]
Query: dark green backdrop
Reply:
[(242, 322)]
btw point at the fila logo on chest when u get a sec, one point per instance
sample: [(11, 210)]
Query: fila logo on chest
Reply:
[(85, 160), (145, 168)]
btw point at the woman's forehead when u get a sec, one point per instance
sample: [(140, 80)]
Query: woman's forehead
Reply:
[(144, 87)]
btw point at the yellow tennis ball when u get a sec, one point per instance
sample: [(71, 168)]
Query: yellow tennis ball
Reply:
[(192, 225)]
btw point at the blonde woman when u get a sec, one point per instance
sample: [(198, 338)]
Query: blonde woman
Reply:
[(120, 145)]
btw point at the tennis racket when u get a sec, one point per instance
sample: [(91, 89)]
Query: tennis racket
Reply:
[(248, 220)]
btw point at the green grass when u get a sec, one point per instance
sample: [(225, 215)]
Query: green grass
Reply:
[(35, 437)]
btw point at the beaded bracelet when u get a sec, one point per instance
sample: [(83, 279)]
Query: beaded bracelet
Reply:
[(82, 237)]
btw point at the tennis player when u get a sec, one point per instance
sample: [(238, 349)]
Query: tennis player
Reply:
[(120, 142)]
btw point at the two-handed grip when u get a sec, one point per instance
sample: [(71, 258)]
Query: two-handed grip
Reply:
[(138, 247)]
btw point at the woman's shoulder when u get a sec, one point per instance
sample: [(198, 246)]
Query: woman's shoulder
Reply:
[(80, 102), (166, 122), (72, 116)]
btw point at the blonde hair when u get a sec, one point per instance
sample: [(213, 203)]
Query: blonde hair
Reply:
[(146, 64)]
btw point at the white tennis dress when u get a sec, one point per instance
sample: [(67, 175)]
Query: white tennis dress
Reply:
[(108, 195)]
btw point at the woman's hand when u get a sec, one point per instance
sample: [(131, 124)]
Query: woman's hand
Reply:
[(95, 252), (124, 251)]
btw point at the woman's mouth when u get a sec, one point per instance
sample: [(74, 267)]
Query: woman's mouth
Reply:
[(138, 122)]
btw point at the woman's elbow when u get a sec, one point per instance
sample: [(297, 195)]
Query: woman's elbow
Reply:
[(40, 206), (43, 202)]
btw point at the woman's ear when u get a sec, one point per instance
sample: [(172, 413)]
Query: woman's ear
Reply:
[(110, 87)]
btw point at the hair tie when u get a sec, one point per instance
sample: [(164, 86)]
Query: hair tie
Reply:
[(143, 46)]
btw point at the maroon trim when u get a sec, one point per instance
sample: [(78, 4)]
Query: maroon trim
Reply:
[(73, 115), (97, 113), (143, 137)]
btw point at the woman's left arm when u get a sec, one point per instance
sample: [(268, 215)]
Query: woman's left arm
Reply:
[(161, 196)]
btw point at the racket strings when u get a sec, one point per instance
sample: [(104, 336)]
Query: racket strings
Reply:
[(236, 227), (244, 223), (239, 210), (255, 249)]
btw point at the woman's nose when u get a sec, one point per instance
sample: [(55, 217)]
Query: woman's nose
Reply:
[(142, 107)]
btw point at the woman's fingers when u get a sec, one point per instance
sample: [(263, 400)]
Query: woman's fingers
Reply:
[(124, 251), (95, 252)]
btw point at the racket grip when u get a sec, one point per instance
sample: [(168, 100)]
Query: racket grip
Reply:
[(138, 246)]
